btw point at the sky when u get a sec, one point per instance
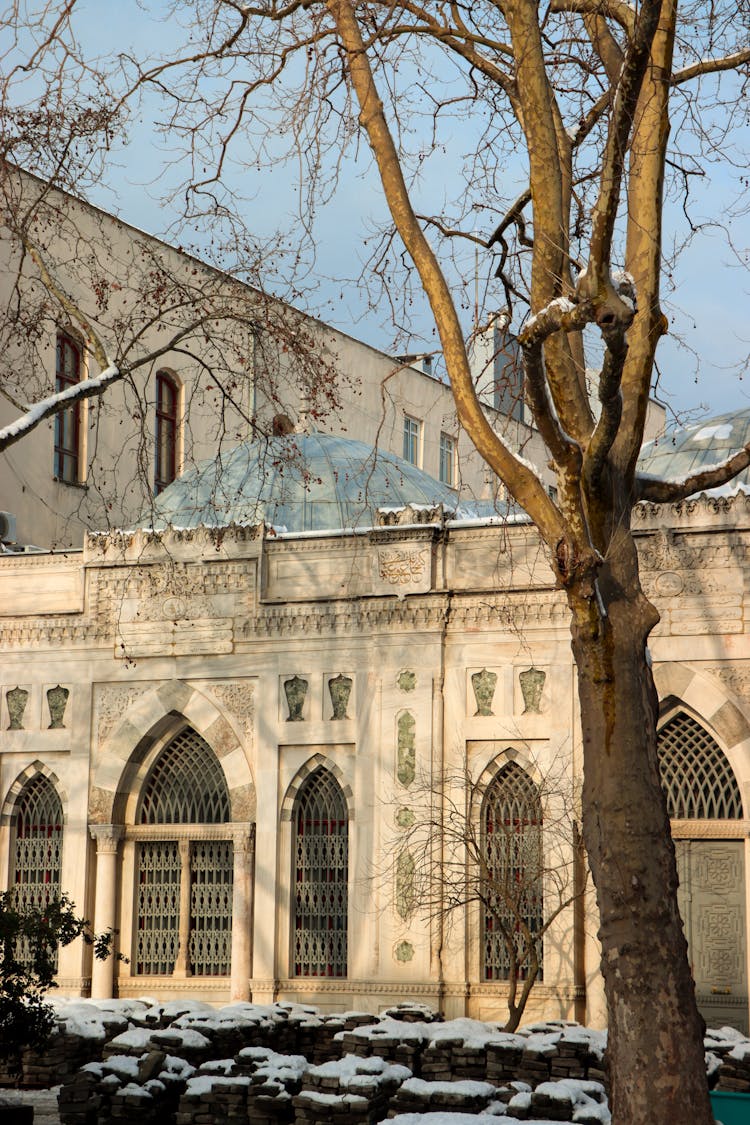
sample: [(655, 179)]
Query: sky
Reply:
[(705, 297)]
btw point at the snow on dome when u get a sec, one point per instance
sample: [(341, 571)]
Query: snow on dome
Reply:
[(690, 449), (299, 482)]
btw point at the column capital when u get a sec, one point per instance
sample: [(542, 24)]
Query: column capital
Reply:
[(107, 837)]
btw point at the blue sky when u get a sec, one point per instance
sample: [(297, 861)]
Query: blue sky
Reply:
[(706, 297)]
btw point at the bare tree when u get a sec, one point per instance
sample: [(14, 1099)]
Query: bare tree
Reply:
[(503, 848), (589, 90)]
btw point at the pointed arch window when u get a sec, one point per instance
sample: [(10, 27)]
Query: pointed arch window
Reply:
[(37, 853), (696, 775), (185, 875), (320, 854), (512, 911)]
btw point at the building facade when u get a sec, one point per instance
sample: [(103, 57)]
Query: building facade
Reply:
[(224, 744)]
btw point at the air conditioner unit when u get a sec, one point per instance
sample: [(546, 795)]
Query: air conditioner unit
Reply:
[(7, 527)]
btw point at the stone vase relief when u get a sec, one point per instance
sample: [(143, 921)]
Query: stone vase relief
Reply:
[(57, 701), (340, 689), (484, 684), (532, 686), (296, 692), (16, 698)]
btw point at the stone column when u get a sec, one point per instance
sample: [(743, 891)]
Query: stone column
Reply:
[(242, 911), (107, 838), (181, 964)]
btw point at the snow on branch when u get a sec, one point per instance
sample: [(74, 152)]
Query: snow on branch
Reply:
[(55, 403), (670, 491), (560, 314)]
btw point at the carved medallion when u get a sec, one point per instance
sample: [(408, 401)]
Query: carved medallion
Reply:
[(532, 686), (16, 698), (57, 701), (340, 688), (295, 691)]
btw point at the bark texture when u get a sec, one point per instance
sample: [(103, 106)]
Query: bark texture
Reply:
[(657, 1067)]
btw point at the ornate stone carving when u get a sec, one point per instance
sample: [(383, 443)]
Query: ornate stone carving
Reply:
[(239, 698), (405, 817), (406, 766), (101, 802), (405, 892), (399, 568), (112, 702), (484, 684), (295, 691), (244, 803), (57, 701), (532, 686), (340, 688), (16, 698), (735, 676), (407, 680), (404, 951)]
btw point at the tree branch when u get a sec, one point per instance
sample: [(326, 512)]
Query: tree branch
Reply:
[(57, 402), (669, 492), (711, 66)]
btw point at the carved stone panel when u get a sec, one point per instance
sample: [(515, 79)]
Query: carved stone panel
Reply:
[(405, 889), (111, 702), (401, 569), (239, 698), (712, 903), (406, 764)]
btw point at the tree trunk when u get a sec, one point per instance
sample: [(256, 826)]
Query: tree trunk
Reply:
[(656, 1062)]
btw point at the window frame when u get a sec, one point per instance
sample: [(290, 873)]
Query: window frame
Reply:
[(166, 432), (68, 428), (412, 440), (447, 456)]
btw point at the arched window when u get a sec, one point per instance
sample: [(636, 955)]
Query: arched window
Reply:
[(68, 422), (320, 855), (167, 400), (184, 908), (695, 773), (37, 855), (512, 911)]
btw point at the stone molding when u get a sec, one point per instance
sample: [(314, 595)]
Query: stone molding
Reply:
[(315, 762)]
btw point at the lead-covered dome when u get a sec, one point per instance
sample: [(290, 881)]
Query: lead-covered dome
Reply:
[(297, 482), (690, 449)]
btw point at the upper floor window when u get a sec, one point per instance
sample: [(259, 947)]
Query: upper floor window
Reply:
[(68, 422), (412, 434), (447, 460), (167, 398)]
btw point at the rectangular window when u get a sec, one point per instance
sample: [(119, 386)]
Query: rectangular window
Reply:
[(412, 428), (167, 397), (67, 422), (447, 460)]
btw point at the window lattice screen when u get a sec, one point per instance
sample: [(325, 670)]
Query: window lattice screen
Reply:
[(211, 868), (157, 937), (695, 773), (186, 785), (512, 833), (38, 850), (321, 876)]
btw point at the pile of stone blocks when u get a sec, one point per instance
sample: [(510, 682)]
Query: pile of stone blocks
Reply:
[(418, 1096), (146, 1089), (352, 1091)]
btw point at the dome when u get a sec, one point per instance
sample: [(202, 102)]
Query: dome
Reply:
[(297, 482), (690, 449)]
